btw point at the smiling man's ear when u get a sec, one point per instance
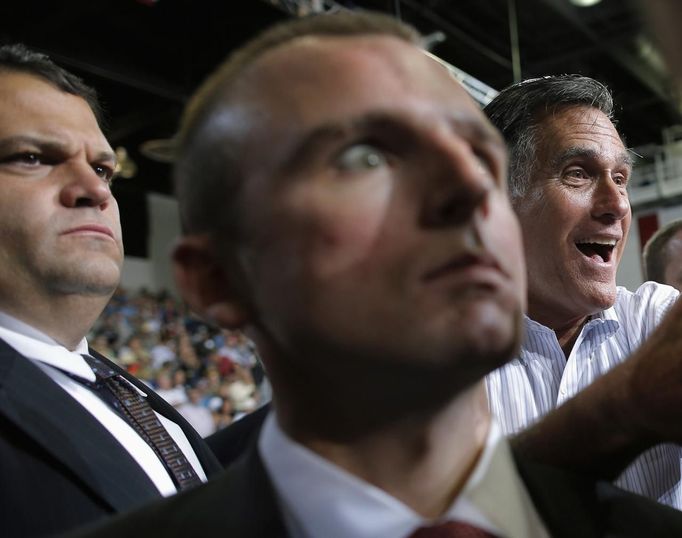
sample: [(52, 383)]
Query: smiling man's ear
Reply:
[(204, 283)]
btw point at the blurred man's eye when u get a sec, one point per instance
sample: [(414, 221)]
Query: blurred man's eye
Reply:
[(361, 157)]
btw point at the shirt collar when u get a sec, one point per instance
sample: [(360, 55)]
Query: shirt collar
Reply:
[(38, 346), (321, 499), (605, 318)]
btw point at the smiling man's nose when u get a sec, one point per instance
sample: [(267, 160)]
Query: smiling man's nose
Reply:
[(610, 200)]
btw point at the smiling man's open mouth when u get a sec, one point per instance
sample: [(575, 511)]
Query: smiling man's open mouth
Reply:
[(597, 249)]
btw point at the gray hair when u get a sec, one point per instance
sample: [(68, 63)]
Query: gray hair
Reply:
[(518, 110)]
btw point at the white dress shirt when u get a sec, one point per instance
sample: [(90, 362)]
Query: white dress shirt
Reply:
[(54, 359), (541, 378), (318, 498)]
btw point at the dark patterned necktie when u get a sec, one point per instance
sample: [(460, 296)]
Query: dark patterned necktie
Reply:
[(136, 411), (451, 529)]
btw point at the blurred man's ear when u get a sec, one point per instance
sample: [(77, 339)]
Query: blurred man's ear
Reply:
[(204, 284)]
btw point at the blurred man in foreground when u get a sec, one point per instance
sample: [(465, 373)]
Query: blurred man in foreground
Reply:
[(374, 256)]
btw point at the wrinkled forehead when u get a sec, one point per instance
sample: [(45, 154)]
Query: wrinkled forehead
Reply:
[(580, 121), (580, 127)]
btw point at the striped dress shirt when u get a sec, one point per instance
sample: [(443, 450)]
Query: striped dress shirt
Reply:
[(541, 378)]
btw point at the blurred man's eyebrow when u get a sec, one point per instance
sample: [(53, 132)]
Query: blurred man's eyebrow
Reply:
[(328, 132)]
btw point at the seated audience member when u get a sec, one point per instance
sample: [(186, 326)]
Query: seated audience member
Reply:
[(662, 256), (374, 257), (568, 178), (73, 445), (174, 394), (196, 413), (224, 413)]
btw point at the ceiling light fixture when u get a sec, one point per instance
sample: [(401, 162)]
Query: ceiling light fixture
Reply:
[(584, 3)]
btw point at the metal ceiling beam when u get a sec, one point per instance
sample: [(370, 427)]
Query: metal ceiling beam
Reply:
[(137, 80), (461, 35), (638, 68)]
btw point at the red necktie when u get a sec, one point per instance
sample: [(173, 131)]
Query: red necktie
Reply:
[(451, 529)]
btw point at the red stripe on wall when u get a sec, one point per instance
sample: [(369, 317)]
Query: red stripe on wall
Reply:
[(647, 224)]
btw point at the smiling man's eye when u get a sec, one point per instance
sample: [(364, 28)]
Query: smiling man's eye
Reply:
[(361, 157), (576, 175), (620, 180), (576, 172)]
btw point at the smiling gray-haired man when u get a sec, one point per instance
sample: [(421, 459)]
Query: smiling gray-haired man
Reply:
[(569, 170)]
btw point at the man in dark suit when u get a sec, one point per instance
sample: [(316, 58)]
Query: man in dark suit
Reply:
[(66, 456), (344, 199)]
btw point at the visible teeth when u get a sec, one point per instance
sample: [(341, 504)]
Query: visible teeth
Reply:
[(605, 242)]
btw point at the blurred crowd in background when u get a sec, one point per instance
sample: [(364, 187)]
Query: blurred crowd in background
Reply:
[(211, 376)]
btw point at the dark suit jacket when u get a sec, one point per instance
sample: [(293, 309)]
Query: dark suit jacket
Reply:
[(241, 502), (59, 467), (228, 444)]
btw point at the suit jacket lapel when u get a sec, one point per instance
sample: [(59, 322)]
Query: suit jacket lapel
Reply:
[(206, 457), (64, 429), (567, 502), (240, 502)]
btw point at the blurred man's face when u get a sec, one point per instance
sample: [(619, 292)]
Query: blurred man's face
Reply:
[(575, 216), (60, 224), (376, 220)]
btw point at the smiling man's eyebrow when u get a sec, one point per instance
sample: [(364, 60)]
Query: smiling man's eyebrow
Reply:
[(624, 159)]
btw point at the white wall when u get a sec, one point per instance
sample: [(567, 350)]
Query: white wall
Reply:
[(155, 273), (630, 269)]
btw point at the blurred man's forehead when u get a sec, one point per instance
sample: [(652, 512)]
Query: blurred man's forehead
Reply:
[(336, 76), (302, 59), (329, 83)]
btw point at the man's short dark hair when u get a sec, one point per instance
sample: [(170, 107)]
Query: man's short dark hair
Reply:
[(207, 171), (655, 255), (18, 58), (518, 110)]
